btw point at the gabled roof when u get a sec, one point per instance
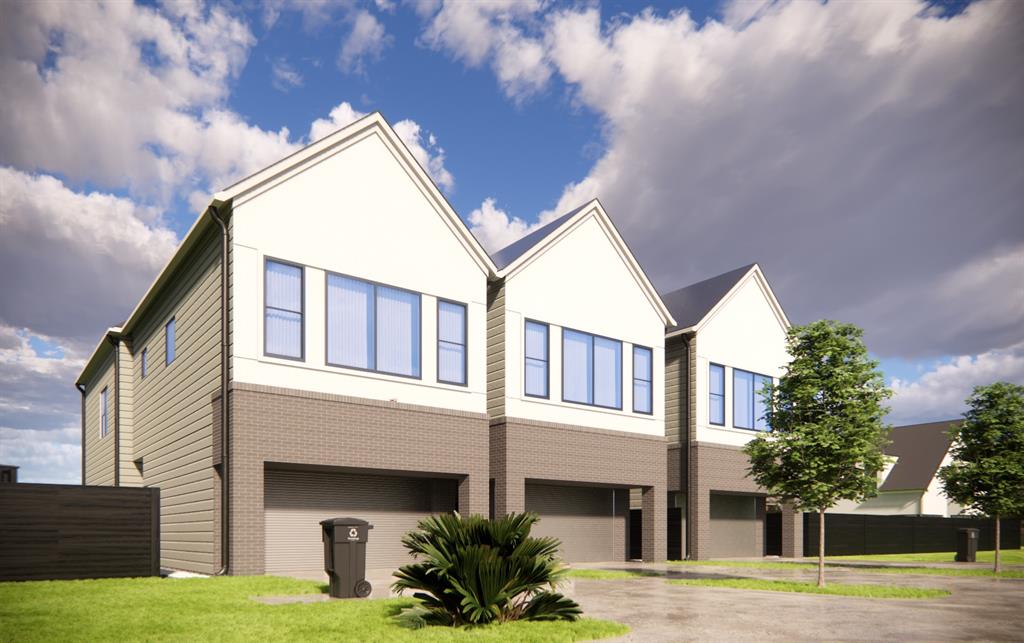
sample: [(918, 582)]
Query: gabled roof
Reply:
[(514, 257), (693, 304), (920, 449)]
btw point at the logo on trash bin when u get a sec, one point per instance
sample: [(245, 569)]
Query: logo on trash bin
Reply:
[(353, 533)]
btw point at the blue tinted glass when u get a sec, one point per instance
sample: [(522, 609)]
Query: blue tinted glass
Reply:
[(607, 372), (577, 367), (761, 383), (742, 399), (170, 341)]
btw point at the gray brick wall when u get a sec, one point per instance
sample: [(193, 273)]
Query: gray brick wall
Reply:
[(522, 450), (278, 425)]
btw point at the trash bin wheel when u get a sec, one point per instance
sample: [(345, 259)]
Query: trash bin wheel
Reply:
[(363, 588)]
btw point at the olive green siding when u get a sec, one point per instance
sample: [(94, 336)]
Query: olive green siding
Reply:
[(674, 412), (99, 452), (496, 349), (173, 414), (128, 474)]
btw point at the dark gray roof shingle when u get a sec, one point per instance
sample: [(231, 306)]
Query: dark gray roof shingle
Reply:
[(504, 257), (689, 305), (920, 449)]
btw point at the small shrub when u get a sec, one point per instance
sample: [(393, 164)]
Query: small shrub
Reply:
[(471, 571)]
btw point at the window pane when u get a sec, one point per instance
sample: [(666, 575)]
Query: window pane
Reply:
[(451, 322), (169, 342), (641, 396), (742, 399), (642, 363), (607, 372), (284, 286), (716, 411), (577, 367), (536, 377), (103, 413), (398, 332), (717, 379), (536, 341), (760, 383), (284, 333), (451, 363), (145, 365), (349, 322)]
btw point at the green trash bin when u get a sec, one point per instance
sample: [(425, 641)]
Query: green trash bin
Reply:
[(345, 556)]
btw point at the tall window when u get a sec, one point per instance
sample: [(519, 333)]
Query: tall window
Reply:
[(372, 327), (643, 390), (451, 342), (716, 394), (747, 408), (145, 362), (104, 414), (170, 342), (282, 310), (536, 366), (591, 369)]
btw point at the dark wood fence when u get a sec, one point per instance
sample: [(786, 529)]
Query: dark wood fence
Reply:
[(857, 534), (50, 531)]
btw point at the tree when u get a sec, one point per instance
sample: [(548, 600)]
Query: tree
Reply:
[(987, 472), (826, 434)]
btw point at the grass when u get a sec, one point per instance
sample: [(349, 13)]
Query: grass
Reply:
[(1007, 556), (753, 564), (609, 574), (154, 609), (861, 591), (833, 563)]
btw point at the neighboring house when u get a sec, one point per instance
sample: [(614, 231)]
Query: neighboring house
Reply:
[(729, 342), (576, 387), (379, 364), (909, 484), (8, 473)]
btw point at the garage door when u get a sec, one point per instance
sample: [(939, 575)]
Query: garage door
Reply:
[(582, 518), (295, 502), (734, 526)]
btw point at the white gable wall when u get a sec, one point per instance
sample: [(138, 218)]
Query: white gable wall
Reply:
[(358, 212), (743, 333), (582, 283)]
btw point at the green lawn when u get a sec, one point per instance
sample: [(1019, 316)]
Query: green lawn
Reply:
[(610, 574), (152, 609), (862, 591), (833, 563), (1007, 556)]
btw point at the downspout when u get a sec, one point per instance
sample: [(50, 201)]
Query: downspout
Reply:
[(117, 408), (685, 451), (81, 389), (224, 413)]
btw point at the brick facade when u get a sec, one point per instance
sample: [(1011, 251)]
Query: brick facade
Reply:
[(526, 450), (276, 425)]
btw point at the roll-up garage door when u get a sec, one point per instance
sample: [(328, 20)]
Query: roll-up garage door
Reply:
[(583, 518), (296, 501), (734, 526)]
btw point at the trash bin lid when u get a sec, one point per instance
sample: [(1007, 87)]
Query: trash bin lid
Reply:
[(346, 521)]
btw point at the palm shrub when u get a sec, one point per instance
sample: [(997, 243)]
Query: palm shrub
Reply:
[(471, 571)]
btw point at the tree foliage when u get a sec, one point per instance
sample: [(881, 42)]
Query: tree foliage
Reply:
[(825, 415), (471, 570)]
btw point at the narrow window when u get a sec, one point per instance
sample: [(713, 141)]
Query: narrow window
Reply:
[(761, 383), (451, 342), (643, 390), (145, 362), (373, 327), (716, 394), (170, 342), (104, 412), (591, 369), (742, 399), (536, 371), (282, 310)]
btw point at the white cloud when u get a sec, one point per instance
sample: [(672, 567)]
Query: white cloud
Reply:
[(495, 228), (939, 393), (53, 456), (366, 41), (284, 77)]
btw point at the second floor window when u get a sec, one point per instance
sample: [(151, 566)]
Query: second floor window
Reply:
[(170, 342), (536, 359), (145, 362), (748, 409), (282, 310), (104, 414), (451, 342), (716, 394), (372, 327), (591, 369), (643, 390)]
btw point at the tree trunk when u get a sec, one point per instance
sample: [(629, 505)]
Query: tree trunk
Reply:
[(821, 547), (997, 570)]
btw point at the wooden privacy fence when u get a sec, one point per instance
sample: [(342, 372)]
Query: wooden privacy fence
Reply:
[(50, 531), (857, 534)]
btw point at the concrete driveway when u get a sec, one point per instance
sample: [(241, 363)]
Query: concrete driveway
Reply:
[(978, 609)]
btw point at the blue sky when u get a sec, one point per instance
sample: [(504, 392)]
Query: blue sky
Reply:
[(867, 155)]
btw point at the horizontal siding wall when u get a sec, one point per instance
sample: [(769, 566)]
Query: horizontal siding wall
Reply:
[(99, 452), (173, 414), (496, 349), (675, 350), (129, 475)]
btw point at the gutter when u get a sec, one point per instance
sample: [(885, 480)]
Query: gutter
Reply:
[(684, 452), (81, 389), (225, 486), (115, 342)]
